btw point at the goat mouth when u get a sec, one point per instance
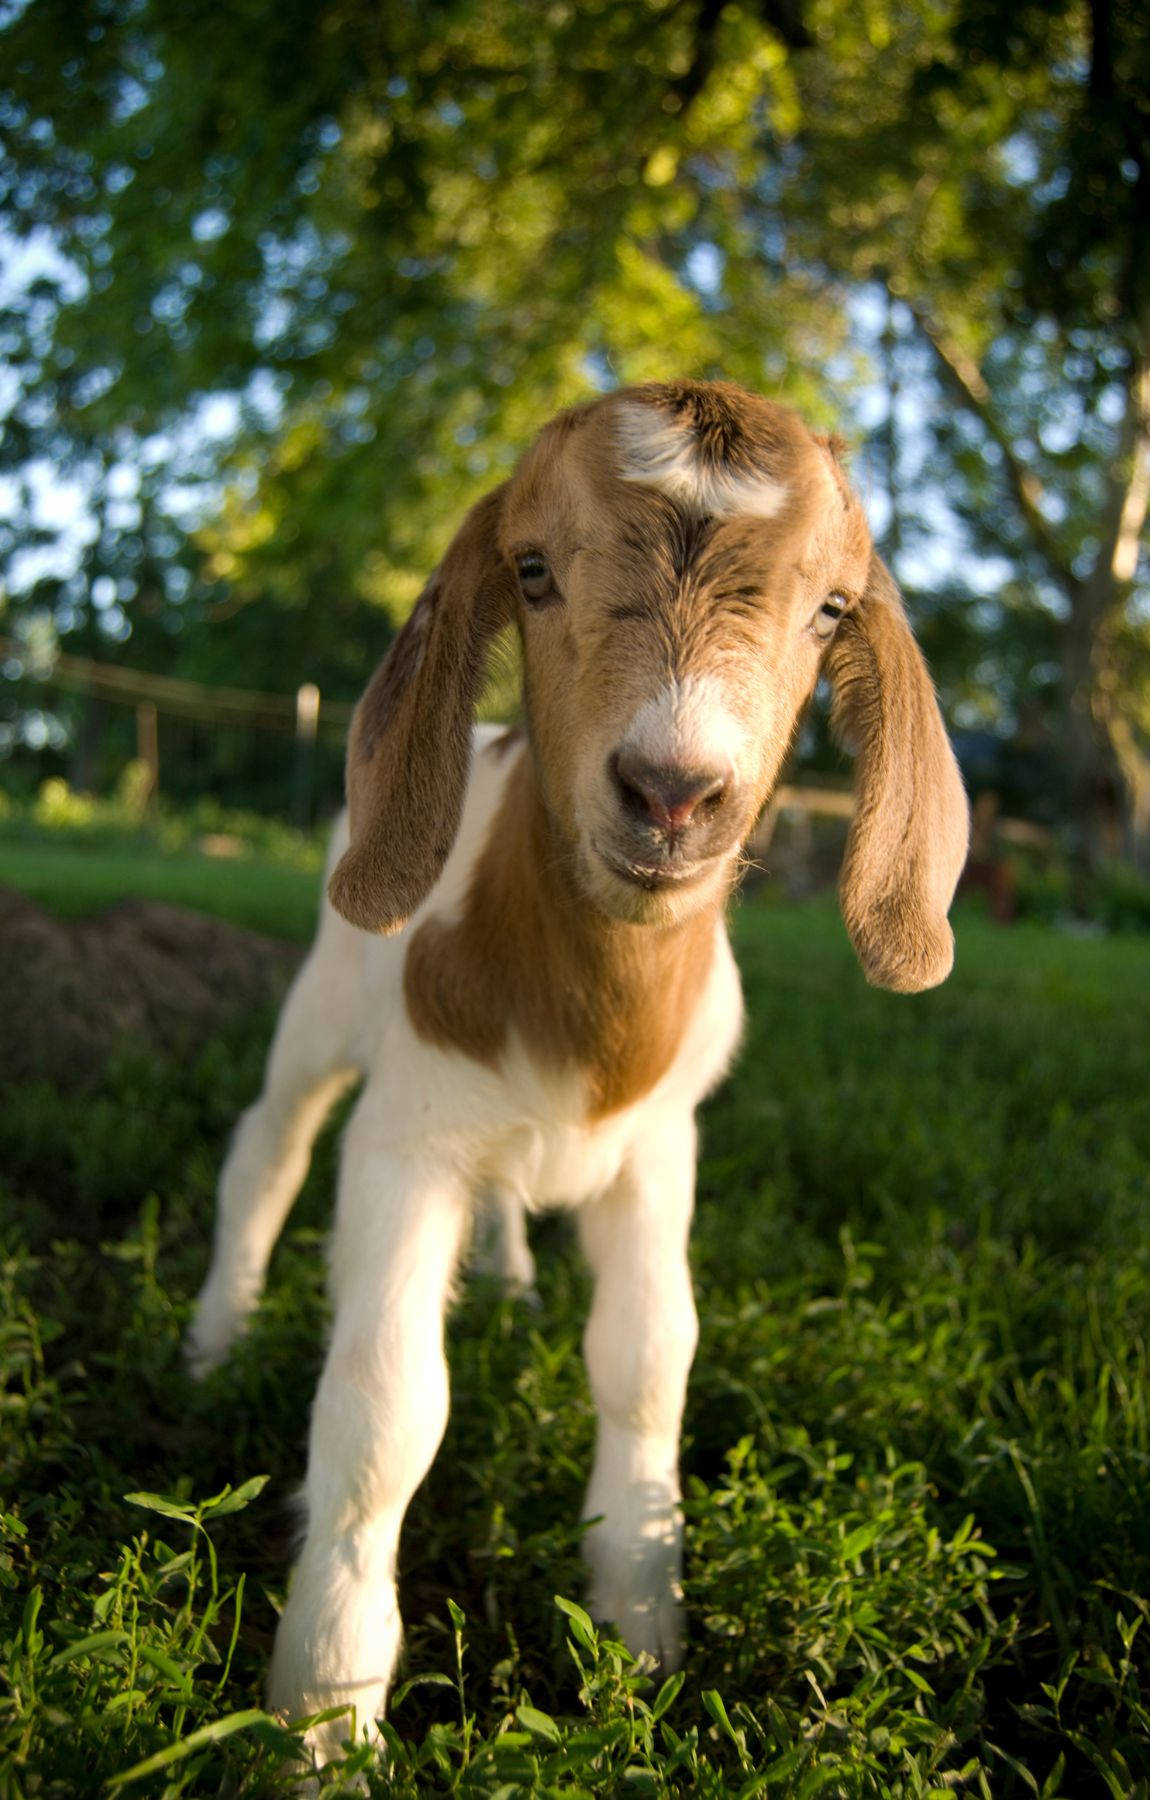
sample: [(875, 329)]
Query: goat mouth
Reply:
[(652, 876)]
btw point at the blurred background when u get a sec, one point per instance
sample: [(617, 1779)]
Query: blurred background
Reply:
[(283, 289)]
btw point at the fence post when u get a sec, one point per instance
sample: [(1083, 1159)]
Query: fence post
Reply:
[(306, 726), (148, 747)]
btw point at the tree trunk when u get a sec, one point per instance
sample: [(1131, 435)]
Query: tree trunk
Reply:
[(1094, 777), (1098, 705), (1135, 766), (1108, 771)]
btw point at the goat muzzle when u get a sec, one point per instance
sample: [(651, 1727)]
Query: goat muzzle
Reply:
[(667, 797)]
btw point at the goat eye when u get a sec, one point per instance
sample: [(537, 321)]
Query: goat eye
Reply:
[(535, 577), (828, 615)]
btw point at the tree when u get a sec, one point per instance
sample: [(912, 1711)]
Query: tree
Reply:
[(407, 234), (398, 239), (990, 168)]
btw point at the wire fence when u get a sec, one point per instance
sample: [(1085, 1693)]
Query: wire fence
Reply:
[(188, 735), (190, 739)]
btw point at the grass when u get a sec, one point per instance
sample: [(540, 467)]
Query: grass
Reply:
[(76, 855), (73, 878), (916, 1448)]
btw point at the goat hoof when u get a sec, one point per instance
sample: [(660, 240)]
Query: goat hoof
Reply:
[(206, 1346), (200, 1362), (652, 1632)]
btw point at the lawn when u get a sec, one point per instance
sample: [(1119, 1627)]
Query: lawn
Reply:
[(72, 877), (916, 1449)]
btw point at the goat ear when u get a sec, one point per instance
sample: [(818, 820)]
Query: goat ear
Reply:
[(409, 752), (908, 840)]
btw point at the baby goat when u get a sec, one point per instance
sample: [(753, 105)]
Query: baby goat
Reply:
[(525, 956)]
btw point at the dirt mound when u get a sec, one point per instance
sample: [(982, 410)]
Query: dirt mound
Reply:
[(141, 975)]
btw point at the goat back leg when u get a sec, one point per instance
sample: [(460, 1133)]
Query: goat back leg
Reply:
[(638, 1344), (502, 1248), (378, 1418), (310, 1065)]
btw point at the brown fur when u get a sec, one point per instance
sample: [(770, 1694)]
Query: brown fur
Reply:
[(410, 746), (592, 971), (908, 840), (747, 439), (528, 957), (655, 593)]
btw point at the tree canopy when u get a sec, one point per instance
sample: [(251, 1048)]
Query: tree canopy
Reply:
[(290, 286)]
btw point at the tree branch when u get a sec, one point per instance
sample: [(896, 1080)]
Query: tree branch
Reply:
[(963, 378), (1128, 497)]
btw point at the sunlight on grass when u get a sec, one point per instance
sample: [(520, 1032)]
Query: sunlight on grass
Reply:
[(74, 878), (916, 1441)]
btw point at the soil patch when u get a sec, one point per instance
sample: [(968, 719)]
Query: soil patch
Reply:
[(141, 975)]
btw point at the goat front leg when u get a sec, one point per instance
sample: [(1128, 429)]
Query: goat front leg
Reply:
[(379, 1415), (638, 1345), (264, 1172), (310, 1065)]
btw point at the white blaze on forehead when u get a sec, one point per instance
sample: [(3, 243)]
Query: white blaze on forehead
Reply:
[(661, 454), (689, 723)]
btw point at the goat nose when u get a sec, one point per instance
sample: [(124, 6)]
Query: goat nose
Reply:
[(666, 795)]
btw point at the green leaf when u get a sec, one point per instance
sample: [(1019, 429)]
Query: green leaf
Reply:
[(595, 1738), (102, 1605), (715, 1705), (1116, 1779), (788, 1762), (756, 1785), (88, 1646), (166, 1665), (33, 1639), (159, 1503), (197, 1740), (1053, 1782), (713, 1701), (434, 1678), (538, 1722), (668, 1694), (859, 1540), (582, 1626), (234, 1500)]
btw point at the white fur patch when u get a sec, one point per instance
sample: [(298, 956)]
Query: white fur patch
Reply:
[(689, 723), (661, 454)]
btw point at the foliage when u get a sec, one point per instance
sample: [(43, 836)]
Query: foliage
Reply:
[(384, 246), (988, 170), (1124, 900), (446, 226), (915, 1448), (129, 817), (133, 1674), (1118, 899), (441, 226)]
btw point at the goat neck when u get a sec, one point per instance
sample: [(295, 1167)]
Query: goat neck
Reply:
[(530, 956)]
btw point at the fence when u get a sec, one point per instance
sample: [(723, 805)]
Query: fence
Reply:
[(182, 707), (188, 706)]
